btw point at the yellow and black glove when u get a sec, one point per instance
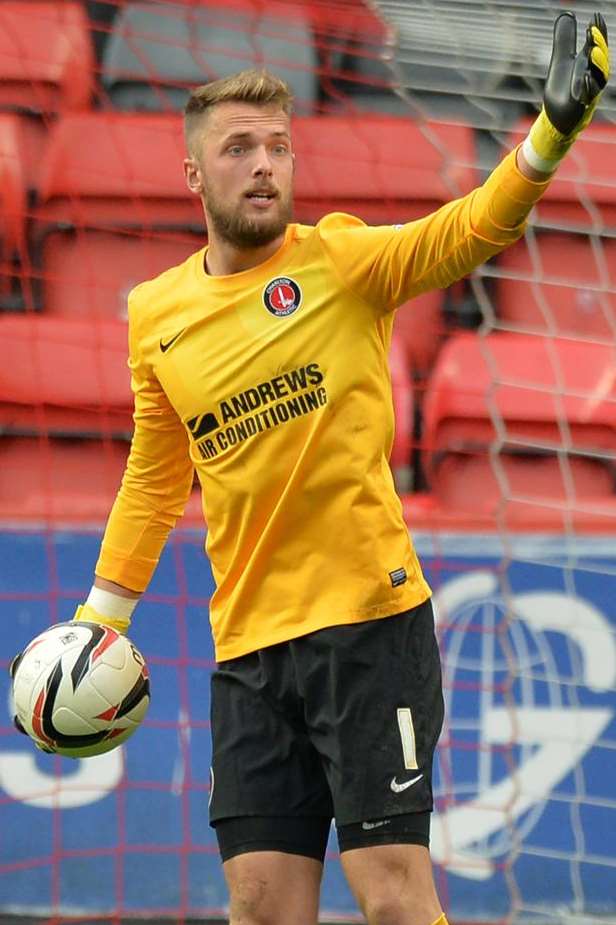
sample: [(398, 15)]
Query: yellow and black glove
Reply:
[(572, 91), (85, 613)]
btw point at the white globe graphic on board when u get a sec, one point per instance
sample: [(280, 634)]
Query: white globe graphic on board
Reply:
[(511, 733)]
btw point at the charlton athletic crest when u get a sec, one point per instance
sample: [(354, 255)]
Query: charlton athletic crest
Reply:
[(282, 297)]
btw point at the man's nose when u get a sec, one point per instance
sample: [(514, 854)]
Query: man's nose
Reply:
[(262, 166)]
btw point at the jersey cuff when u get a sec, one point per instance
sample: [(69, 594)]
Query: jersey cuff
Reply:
[(504, 201), (131, 572)]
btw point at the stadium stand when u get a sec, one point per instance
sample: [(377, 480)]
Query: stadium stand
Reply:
[(46, 66), (492, 59), (363, 80), (546, 408), (112, 212), (561, 283), (156, 52), (385, 168), (58, 480), (66, 377), (65, 417)]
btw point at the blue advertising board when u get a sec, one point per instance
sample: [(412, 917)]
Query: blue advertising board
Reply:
[(525, 777)]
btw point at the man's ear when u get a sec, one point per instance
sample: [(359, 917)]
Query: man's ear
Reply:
[(194, 178)]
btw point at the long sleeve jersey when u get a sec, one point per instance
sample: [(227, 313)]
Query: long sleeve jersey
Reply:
[(273, 385)]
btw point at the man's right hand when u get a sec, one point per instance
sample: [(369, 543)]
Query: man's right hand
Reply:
[(108, 603), (85, 613)]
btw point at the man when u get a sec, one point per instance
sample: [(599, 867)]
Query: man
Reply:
[(261, 363)]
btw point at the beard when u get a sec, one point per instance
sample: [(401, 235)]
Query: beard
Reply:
[(244, 231)]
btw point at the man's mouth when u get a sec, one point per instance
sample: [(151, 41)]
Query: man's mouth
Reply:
[(261, 195)]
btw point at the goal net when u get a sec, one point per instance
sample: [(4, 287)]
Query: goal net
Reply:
[(505, 401)]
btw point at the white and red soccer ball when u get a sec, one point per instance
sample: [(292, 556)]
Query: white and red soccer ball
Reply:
[(80, 689)]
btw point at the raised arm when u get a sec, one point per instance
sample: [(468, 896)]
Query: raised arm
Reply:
[(498, 211), (388, 266)]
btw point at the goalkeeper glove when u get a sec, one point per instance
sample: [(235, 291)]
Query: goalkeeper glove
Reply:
[(87, 614), (572, 91)]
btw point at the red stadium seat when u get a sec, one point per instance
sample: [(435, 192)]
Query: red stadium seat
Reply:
[(562, 279), (116, 168), (404, 411), (382, 168), (470, 481), (65, 419), (112, 212), (13, 251), (46, 66), (561, 283), (89, 273), (12, 185), (64, 377), (53, 479), (548, 406), (419, 327), (60, 480)]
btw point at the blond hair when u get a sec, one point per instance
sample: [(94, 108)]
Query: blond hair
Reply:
[(251, 86)]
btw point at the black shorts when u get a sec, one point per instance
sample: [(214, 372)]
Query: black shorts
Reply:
[(341, 723)]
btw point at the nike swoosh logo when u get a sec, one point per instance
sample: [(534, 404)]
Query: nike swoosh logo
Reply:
[(398, 788), (374, 825), (165, 347)]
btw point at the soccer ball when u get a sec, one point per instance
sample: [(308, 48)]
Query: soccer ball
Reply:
[(80, 689)]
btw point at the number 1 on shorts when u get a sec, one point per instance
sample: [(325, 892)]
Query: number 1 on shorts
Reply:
[(407, 734)]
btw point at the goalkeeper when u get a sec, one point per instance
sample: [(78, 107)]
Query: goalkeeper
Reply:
[(261, 364)]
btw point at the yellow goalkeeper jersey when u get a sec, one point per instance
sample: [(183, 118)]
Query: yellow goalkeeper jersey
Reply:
[(273, 385)]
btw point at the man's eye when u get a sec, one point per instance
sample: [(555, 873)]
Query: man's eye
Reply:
[(281, 149), (235, 150)]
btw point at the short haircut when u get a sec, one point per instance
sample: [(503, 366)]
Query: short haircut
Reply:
[(252, 86)]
